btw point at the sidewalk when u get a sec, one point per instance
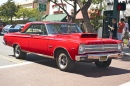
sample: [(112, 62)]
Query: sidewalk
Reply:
[(126, 51)]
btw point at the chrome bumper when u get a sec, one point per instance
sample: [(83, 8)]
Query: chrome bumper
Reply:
[(98, 56)]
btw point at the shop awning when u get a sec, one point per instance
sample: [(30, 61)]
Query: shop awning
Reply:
[(56, 17)]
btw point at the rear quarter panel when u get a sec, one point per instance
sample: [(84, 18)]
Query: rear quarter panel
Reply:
[(20, 39)]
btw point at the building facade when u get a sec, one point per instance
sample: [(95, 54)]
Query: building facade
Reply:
[(108, 12)]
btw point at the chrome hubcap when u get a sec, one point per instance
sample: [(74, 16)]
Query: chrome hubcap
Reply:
[(62, 61), (17, 51)]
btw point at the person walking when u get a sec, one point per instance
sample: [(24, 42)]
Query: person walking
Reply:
[(113, 28), (121, 26), (126, 31)]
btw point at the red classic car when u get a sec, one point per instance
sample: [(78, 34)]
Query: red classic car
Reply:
[(64, 42)]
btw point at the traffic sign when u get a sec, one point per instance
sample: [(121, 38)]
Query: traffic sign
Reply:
[(42, 7)]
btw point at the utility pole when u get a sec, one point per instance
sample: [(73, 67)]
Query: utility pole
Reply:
[(115, 11)]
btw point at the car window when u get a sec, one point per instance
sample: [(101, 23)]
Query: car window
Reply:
[(17, 26), (8, 26), (37, 29), (52, 29), (63, 28), (44, 30)]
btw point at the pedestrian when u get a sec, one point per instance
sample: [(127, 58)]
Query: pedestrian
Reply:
[(121, 26), (113, 28), (126, 31)]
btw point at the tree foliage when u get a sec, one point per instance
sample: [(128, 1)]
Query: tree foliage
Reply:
[(97, 9), (83, 7), (27, 13), (8, 10)]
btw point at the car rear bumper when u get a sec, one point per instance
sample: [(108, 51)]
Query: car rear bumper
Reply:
[(91, 57)]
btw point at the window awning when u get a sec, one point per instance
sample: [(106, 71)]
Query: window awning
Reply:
[(56, 17)]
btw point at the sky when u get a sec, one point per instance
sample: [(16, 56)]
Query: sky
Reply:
[(17, 1)]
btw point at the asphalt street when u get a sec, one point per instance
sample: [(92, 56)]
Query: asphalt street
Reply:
[(41, 71), (7, 56)]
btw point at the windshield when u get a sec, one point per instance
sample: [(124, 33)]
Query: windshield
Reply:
[(7, 26), (19, 26), (63, 28)]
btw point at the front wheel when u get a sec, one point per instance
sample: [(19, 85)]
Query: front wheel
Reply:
[(103, 64), (63, 60), (18, 53)]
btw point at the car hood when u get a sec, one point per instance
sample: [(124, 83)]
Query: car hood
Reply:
[(86, 38)]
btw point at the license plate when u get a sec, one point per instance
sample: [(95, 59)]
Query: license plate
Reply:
[(103, 58)]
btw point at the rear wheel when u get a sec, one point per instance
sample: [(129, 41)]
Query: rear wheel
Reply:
[(18, 53), (103, 64), (63, 61)]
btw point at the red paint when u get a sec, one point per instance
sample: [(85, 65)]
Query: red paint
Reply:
[(47, 44)]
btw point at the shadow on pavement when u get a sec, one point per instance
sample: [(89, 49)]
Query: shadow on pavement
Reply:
[(125, 58), (85, 69), (90, 70)]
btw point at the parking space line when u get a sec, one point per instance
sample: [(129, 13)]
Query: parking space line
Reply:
[(15, 65), (12, 59), (21, 64)]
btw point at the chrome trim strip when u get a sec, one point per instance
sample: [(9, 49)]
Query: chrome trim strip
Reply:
[(100, 48), (39, 54), (101, 44)]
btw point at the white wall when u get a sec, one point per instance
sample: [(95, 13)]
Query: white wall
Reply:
[(30, 5), (67, 7), (26, 3), (100, 32)]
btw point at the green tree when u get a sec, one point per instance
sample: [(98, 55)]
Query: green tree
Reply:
[(84, 6), (96, 22), (8, 10), (27, 13), (34, 13)]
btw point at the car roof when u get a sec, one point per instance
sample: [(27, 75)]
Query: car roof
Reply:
[(49, 22)]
